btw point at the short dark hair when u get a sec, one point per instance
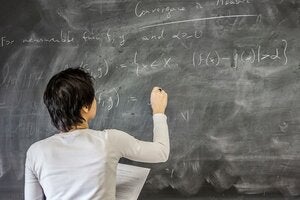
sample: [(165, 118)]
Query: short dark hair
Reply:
[(66, 93)]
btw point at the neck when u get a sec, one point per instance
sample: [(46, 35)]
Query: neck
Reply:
[(83, 125)]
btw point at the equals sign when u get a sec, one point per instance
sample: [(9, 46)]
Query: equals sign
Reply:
[(132, 99), (2, 105)]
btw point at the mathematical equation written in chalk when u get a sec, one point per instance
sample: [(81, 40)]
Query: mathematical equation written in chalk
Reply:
[(108, 98), (249, 55), (136, 63), (231, 58)]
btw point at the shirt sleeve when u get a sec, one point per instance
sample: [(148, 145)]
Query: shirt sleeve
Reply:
[(141, 151), (33, 189)]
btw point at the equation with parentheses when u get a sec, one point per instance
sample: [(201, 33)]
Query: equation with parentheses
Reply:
[(108, 99), (98, 70), (249, 55)]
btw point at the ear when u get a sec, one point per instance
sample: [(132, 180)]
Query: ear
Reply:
[(85, 109)]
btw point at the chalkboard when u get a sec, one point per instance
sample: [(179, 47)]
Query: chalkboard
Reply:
[(231, 69)]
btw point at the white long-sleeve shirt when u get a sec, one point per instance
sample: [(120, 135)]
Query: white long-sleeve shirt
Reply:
[(81, 165)]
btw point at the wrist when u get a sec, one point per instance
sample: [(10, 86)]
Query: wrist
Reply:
[(158, 112)]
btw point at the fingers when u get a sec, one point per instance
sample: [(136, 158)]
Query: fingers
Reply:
[(158, 100), (158, 89)]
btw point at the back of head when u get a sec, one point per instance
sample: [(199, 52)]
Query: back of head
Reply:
[(66, 93)]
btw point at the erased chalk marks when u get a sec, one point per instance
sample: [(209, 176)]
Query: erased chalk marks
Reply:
[(224, 144), (29, 80), (4, 75)]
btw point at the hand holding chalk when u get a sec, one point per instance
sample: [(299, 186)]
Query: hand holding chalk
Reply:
[(158, 100)]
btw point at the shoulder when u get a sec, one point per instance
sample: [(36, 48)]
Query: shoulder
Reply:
[(41, 144), (35, 151), (96, 133), (114, 132), (117, 136)]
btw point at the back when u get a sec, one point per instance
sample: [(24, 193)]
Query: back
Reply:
[(82, 164), (74, 165)]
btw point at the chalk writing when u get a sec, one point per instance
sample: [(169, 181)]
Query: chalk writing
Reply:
[(232, 2), (162, 62), (2, 102), (198, 5), (251, 55), (179, 35), (211, 58), (155, 37), (283, 126), (194, 20), (87, 36), (6, 42), (65, 37), (167, 10), (132, 99), (108, 99), (108, 36), (185, 115), (123, 66), (97, 71), (184, 35)]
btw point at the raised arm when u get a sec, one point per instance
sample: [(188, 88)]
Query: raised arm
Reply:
[(137, 150)]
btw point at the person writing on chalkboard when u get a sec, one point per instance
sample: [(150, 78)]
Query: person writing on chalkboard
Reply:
[(80, 163)]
